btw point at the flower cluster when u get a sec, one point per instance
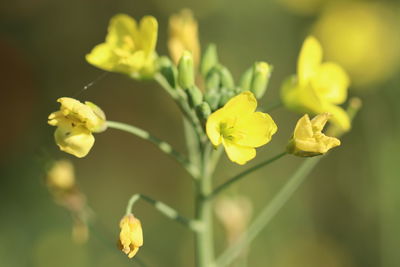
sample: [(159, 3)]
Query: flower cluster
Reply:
[(217, 110)]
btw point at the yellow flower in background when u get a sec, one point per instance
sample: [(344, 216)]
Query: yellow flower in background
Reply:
[(129, 48), (363, 37), (61, 176), (318, 87), (239, 128), (75, 123), (131, 235), (183, 35), (308, 139)]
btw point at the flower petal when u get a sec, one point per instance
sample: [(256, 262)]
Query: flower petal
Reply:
[(239, 154), (242, 103), (120, 28), (309, 60), (331, 83), (148, 34), (74, 140), (255, 130)]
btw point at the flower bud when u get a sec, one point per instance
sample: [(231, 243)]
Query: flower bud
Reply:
[(209, 60), (213, 80), (203, 110), (168, 70), (245, 80), (131, 235), (225, 96), (260, 79), (195, 96), (212, 98), (186, 70), (226, 78)]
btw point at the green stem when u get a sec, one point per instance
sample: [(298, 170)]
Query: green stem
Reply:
[(181, 100), (204, 239), (267, 213), (241, 175), (162, 145), (165, 210)]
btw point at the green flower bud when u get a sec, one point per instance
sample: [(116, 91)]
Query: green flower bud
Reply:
[(186, 70), (203, 111), (226, 78), (168, 70), (195, 96), (213, 98), (245, 80), (261, 75), (213, 80), (209, 60)]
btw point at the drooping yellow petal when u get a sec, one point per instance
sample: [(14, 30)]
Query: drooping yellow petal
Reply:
[(131, 235), (74, 140), (331, 83), (339, 116), (309, 60), (239, 154)]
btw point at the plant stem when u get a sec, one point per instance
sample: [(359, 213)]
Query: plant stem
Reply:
[(204, 239), (165, 210), (162, 145), (267, 213), (241, 175)]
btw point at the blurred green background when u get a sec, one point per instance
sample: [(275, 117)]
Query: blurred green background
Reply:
[(346, 214)]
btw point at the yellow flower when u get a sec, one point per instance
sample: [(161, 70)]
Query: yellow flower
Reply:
[(239, 128), (75, 123), (183, 35), (363, 36), (319, 87), (131, 235), (61, 176), (129, 48), (308, 140)]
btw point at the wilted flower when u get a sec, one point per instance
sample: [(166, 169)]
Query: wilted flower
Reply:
[(239, 128), (131, 235), (75, 123), (318, 87), (308, 139), (183, 35), (129, 48)]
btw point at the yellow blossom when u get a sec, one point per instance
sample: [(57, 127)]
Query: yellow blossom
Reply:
[(75, 123), (183, 35), (129, 48), (318, 87), (363, 36), (239, 128), (308, 139), (61, 176), (131, 235)]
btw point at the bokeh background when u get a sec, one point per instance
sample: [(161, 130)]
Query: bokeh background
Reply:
[(345, 215)]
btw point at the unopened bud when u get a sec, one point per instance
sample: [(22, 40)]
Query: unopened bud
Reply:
[(245, 80), (195, 96), (212, 98), (168, 70), (209, 60), (261, 75), (186, 70)]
